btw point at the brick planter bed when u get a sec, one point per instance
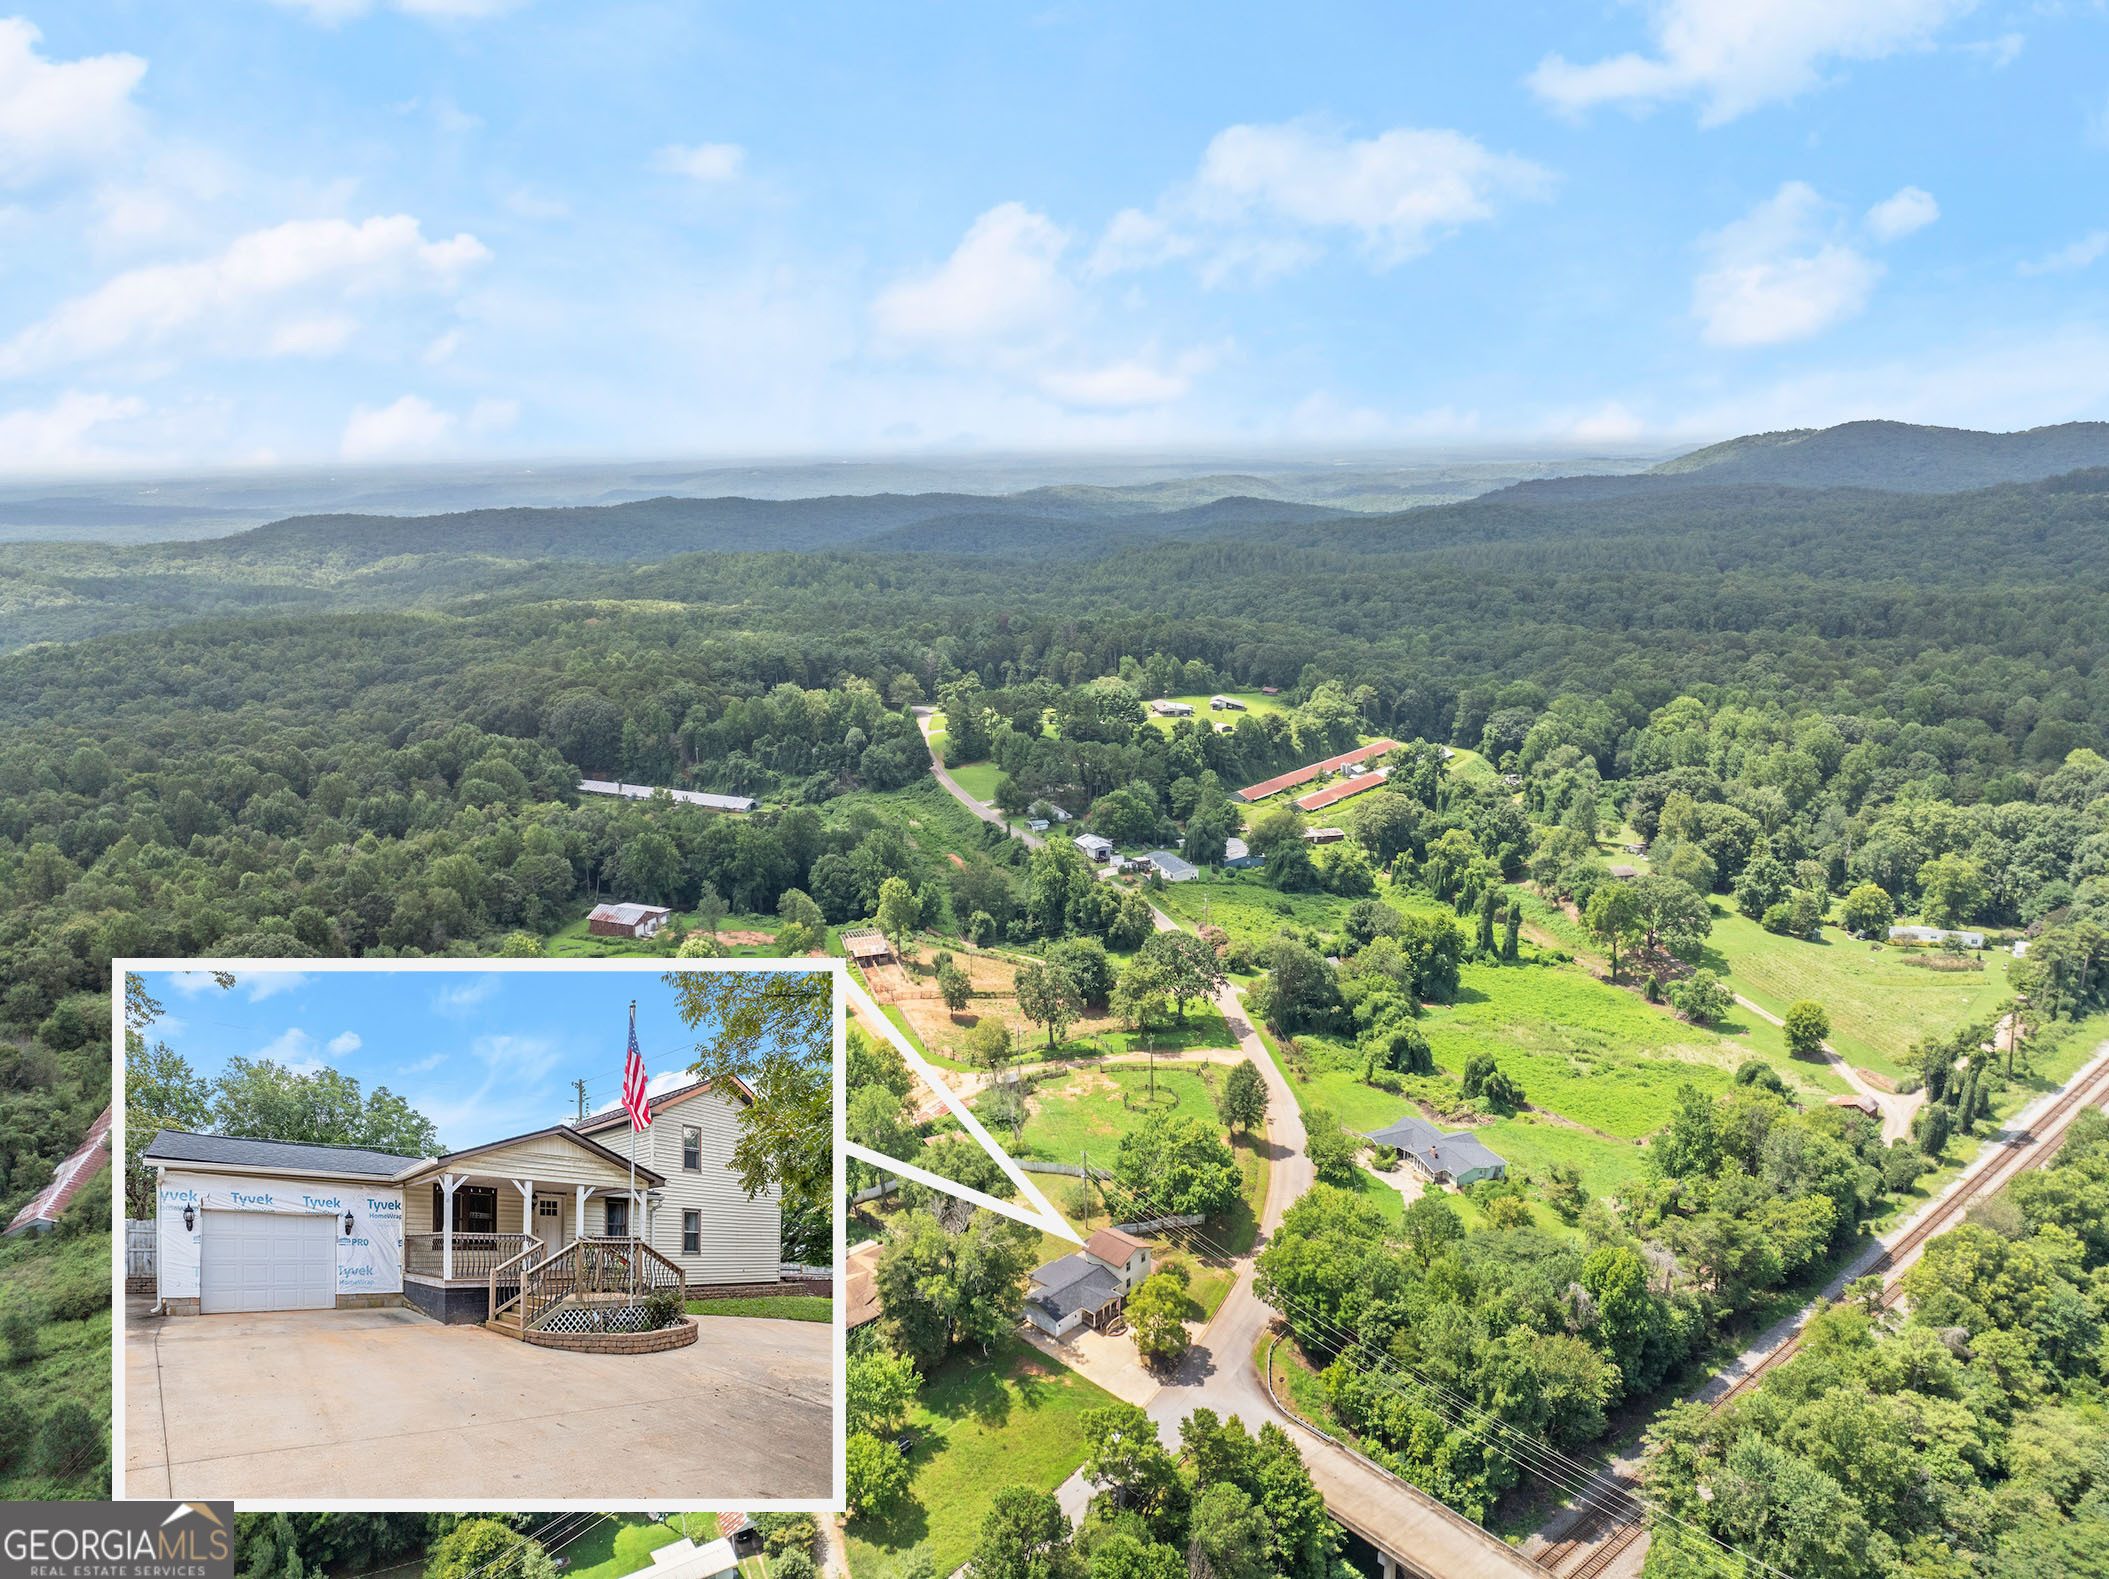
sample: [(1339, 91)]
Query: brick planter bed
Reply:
[(675, 1337)]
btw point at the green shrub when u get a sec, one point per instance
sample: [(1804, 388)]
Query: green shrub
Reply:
[(69, 1442)]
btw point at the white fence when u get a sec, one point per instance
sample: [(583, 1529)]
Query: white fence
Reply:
[(138, 1248)]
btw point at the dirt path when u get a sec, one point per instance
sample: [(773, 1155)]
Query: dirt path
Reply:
[(1897, 1110)]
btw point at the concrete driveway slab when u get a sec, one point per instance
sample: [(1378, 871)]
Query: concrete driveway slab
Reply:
[(385, 1403)]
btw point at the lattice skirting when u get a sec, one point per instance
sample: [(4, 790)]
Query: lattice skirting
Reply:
[(675, 1337)]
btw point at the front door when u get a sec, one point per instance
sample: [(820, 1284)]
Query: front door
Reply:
[(549, 1222)]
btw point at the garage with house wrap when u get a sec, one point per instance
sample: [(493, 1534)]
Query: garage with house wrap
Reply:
[(261, 1225)]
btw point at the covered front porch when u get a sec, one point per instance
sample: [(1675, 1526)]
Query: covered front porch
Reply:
[(487, 1213)]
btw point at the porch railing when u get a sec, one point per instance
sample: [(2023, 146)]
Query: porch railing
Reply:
[(594, 1277), (475, 1255)]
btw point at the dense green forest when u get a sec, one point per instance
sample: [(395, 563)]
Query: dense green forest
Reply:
[(1807, 703)]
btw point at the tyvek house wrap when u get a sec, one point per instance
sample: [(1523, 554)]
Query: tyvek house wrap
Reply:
[(369, 1258)]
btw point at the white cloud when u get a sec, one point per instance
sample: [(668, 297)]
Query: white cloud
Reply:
[(1128, 382), (345, 1042), (1776, 277), (1003, 282), (2076, 256), (57, 435), (270, 983), (54, 113), (408, 426), (1899, 214), (711, 162), (424, 1065), (1265, 195), (1735, 55), (241, 297), (457, 1001), (295, 1049), (1999, 52), (1611, 423), (319, 336), (331, 12), (491, 415)]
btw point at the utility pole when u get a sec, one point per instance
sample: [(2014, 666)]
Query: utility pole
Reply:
[(580, 1087)]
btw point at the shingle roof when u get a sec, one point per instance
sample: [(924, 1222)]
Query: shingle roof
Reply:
[(1452, 1154), (1071, 1284), (1110, 1244), (176, 1145)]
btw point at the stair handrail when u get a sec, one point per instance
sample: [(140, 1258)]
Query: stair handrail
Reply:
[(494, 1306)]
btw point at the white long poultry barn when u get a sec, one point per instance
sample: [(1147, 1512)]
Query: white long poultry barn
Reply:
[(685, 797)]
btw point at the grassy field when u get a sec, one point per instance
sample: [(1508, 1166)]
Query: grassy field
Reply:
[(1878, 1004), (624, 1543), (72, 1359), (1532, 1143), (782, 1307), (1092, 1109), (1246, 908), (1257, 705), (1089, 1111), (574, 942), (982, 1424)]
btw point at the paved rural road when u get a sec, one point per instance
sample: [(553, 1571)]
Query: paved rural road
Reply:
[(981, 809), (1218, 1373)]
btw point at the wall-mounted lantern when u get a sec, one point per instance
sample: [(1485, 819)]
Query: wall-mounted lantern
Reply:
[(190, 1218), (347, 1222)]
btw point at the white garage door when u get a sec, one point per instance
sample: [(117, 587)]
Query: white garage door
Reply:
[(268, 1261)]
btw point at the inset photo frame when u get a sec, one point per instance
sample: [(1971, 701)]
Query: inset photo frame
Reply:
[(448, 1234)]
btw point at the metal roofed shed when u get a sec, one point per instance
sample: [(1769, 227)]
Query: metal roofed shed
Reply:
[(1460, 1158), (1095, 846), (867, 945), (1316, 770), (1355, 783), (40, 1214), (701, 798), (627, 920), (1237, 855)]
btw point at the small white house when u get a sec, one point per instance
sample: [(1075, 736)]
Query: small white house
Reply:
[(1096, 847), (1936, 935), (1169, 709), (1091, 1286)]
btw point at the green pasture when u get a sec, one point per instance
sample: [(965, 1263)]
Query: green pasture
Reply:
[(1879, 1005), (1011, 1417)]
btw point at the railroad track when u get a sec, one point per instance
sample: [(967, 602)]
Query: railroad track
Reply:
[(1575, 1558)]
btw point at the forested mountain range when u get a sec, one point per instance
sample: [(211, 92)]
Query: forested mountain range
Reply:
[(1895, 456)]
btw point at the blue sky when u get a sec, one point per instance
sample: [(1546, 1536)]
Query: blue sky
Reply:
[(353, 231), (483, 1054)]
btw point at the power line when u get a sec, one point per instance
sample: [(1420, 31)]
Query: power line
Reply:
[(1531, 1454)]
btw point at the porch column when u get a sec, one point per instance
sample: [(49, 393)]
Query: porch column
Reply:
[(1384, 1558), (448, 1184), (526, 1187), (578, 1226)]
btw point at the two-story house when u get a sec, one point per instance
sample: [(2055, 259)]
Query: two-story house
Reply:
[(701, 1217)]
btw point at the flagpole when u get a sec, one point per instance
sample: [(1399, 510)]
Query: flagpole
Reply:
[(630, 1207)]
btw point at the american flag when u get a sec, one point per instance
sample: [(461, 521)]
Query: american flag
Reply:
[(633, 1081)]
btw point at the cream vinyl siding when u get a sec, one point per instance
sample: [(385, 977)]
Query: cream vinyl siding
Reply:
[(742, 1240), (557, 1166)]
